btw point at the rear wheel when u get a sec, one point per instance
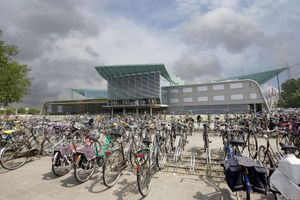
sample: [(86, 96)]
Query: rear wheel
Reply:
[(60, 165), (83, 169), (11, 156)]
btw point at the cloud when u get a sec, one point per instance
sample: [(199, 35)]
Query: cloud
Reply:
[(222, 27), (197, 40), (34, 25), (196, 65)]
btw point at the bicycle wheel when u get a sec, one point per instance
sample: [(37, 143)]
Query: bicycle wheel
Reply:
[(84, 169), (60, 165), (261, 153), (160, 157), (144, 180), (11, 155), (282, 139), (168, 142), (252, 145), (111, 169), (48, 146)]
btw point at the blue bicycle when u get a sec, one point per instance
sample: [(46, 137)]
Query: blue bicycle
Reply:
[(241, 173)]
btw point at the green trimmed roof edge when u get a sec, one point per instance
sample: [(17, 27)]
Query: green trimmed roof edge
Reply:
[(107, 71), (260, 78)]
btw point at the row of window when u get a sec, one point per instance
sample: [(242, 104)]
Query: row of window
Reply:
[(215, 98), (205, 88)]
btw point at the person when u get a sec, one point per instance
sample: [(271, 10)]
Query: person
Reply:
[(199, 119)]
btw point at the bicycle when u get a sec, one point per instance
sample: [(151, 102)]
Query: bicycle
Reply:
[(266, 154), (145, 162), (242, 174), (206, 148)]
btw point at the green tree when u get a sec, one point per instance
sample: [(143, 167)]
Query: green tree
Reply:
[(33, 111), (14, 80), (290, 95), (21, 110)]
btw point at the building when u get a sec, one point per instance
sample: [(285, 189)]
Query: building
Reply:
[(138, 89), (239, 96), (134, 88)]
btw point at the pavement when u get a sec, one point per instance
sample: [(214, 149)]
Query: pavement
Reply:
[(35, 181)]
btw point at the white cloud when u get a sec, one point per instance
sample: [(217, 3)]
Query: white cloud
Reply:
[(209, 39), (222, 27)]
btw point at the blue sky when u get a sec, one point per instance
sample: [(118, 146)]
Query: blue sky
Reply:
[(197, 40)]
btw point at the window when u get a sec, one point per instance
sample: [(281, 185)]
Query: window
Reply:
[(253, 96), (236, 85), (205, 98), (218, 87), (219, 98), (188, 99), (174, 91), (186, 90), (236, 97), (202, 88), (174, 100)]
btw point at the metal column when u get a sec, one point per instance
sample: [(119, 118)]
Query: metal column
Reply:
[(278, 85)]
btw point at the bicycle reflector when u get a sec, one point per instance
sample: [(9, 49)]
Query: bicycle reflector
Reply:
[(138, 168), (107, 153), (140, 155)]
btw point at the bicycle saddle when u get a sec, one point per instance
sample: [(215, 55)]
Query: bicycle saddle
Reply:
[(147, 142), (288, 148), (237, 142)]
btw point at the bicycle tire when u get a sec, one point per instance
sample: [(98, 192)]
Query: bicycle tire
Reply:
[(160, 157), (9, 151), (144, 180), (112, 163), (81, 166), (281, 138), (57, 168), (252, 154), (47, 147)]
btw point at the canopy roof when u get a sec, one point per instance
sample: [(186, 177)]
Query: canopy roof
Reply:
[(109, 71), (260, 77), (91, 93)]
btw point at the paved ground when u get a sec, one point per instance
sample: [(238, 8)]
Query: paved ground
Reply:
[(35, 181)]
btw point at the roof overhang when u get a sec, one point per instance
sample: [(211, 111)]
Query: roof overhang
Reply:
[(111, 71)]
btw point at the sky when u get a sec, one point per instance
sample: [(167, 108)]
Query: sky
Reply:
[(198, 40)]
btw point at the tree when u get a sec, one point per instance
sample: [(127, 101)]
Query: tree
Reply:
[(14, 80), (34, 111), (290, 95)]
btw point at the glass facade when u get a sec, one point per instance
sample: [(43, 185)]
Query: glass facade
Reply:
[(138, 86)]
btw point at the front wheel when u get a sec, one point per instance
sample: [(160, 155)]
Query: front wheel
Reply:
[(11, 155), (161, 157), (112, 168), (144, 180), (282, 139), (252, 145)]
